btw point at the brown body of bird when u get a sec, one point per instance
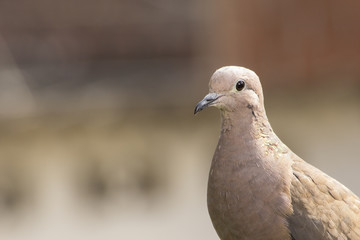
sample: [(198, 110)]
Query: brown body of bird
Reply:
[(258, 188)]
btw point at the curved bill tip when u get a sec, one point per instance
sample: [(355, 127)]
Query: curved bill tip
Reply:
[(207, 101), (198, 108)]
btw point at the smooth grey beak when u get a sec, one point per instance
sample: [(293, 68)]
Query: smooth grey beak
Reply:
[(208, 99)]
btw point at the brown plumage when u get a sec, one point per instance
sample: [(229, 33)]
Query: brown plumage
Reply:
[(258, 188)]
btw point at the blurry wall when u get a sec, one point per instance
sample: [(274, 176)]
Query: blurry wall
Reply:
[(111, 51), (81, 50), (97, 137)]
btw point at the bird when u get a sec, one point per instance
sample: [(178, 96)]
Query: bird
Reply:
[(257, 187)]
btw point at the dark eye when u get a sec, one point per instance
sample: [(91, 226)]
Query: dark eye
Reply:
[(240, 85)]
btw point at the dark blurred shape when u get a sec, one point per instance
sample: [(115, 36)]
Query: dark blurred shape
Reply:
[(13, 192), (56, 32)]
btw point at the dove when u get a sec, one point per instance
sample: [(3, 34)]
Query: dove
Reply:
[(258, 188)]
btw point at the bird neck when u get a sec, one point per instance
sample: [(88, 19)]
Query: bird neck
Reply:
[(247, 124), (248, 157)]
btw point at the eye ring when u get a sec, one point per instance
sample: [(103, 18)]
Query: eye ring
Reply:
[(240, 85)]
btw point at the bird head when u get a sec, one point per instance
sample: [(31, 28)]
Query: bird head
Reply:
[(233, 89)]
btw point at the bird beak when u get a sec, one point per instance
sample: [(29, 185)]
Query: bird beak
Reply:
[(207, 101)]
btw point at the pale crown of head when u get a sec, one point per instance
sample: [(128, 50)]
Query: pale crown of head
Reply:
[(223, 82)]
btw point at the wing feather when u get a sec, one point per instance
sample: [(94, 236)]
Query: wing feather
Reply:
[(323, 207)]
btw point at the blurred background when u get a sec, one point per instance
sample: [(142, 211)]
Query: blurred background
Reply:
[(97, 134)]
